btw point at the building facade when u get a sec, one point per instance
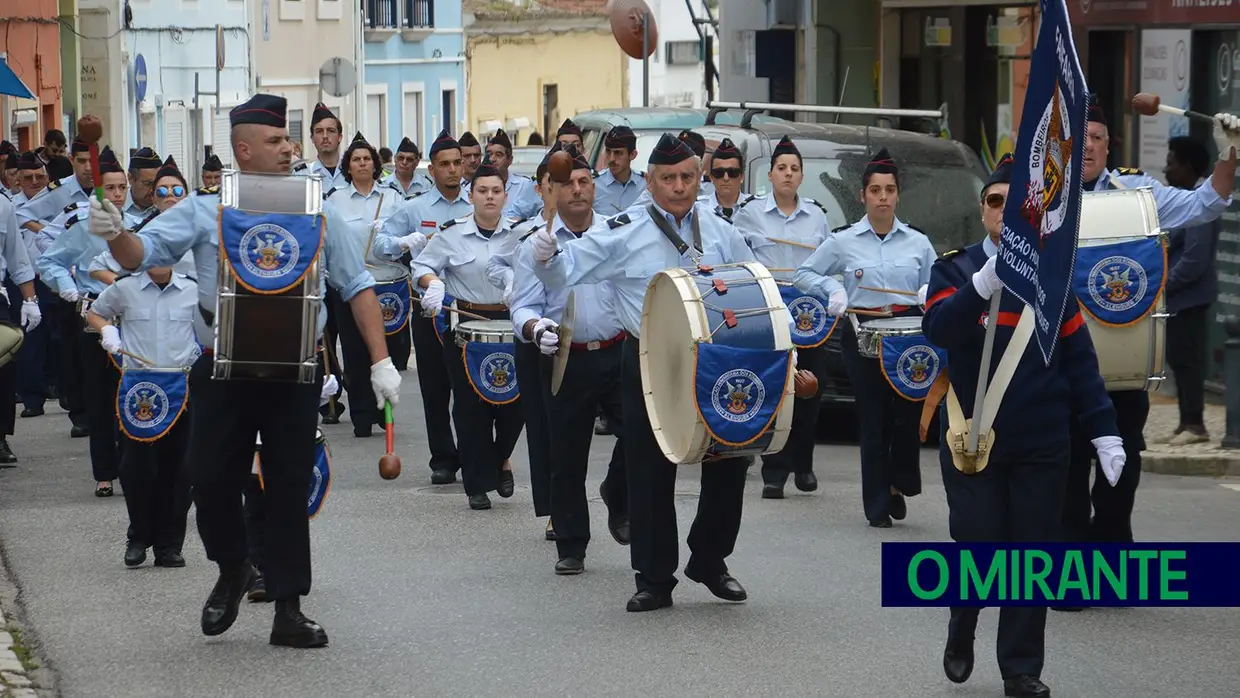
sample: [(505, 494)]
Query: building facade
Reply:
[(304, 50), (188, 63), (30, 42), (677, 68), (414, 61), (531, 67)]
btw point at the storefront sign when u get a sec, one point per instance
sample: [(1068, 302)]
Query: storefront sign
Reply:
[(1086, 13), (1165, 59), (939, 31)]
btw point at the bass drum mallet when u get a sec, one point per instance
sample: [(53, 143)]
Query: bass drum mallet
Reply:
[(1147, 104), (389, 463)]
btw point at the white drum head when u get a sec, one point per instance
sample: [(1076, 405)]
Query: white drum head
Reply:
[(672, 320), (386, 273)]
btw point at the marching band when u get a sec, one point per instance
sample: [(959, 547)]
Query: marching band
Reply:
[(205, 324)]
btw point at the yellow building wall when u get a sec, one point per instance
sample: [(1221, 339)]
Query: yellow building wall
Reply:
[(507, 74)]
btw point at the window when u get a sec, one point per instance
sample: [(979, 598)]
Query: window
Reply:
[(683, 52), (418, 13), (383, 14), (413, 109), (551, 110), (296, 125), (447, 110), (376, 120)]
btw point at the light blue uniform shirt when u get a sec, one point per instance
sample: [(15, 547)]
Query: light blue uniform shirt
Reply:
[(459, 256), (66, 263), (594, 305), (629, 255), (159, 323), (611, 196), (424, 213), (331, 180), (500, 268), (1177, 208), (759, 219), (900, 260), (358, 211), (193, 225), (51, 201), (419, 184), (16, 261), (133, 210)]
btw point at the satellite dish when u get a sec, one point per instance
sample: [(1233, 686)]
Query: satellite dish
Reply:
[(338, 77), (627, 18)]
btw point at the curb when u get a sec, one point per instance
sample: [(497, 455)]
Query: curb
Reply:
[(23, 674), (1210, 464)]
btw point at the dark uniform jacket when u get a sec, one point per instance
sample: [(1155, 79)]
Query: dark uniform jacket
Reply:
[(1041, 399)]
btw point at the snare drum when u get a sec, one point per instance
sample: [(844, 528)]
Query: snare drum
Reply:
[(394, 292), (83, 308), (485, 331), (320, 482), (715, 356), (870, 334), (1119, 278)]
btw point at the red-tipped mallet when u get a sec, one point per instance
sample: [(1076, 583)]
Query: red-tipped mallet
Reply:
[(389, 464), (1147, 104), (90, 131)]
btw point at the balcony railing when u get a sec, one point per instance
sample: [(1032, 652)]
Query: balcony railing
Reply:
[(400, 14)]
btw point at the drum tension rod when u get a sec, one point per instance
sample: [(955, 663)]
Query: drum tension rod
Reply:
[(721, 287)]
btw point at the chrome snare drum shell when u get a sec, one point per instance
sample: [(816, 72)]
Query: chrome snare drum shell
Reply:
[(870, 334), (388, 272), (485, 332)]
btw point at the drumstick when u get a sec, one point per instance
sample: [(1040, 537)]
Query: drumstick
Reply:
[(1147, 104), (389, 463), (888, 290), (794, 243), (466, 313), (862, 311), (371, 241), (135, 357)]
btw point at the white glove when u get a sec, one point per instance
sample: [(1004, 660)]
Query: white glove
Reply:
[(543, 244), (1226, 135), (105, 219), (4, 292), (508, 284), (986, 279), (1111, 456), (548, 341), (414, 242), (386, 382), (110, 338), (921, 295), (31, 315), (70, 294), (330, 386), (837, 304), (432, 298)]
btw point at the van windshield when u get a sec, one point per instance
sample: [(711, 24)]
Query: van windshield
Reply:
[(942, 201)]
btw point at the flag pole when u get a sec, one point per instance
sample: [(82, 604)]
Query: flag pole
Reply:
[(983, 372)]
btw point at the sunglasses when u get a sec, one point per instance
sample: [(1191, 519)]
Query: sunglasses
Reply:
[(164, 192), (720, 172), (995, 200)]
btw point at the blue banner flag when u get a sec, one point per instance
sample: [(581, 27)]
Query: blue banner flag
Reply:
[(811, 324), (148, 403), (491, 368), (395, 304), (442, 323), (1061, 574), (1118, 284), (1040, 221), (738, 391), (270, 252), (911, 365), (321, 479)]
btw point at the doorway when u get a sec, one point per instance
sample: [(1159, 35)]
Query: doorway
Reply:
[(1109, 75)]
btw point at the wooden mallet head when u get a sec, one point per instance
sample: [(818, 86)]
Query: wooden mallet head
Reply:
[(1146, 104), (389, 466), (560, 167), (805, 384), (89, 129)]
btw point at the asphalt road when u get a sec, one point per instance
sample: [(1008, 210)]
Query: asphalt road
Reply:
[(423, 597)]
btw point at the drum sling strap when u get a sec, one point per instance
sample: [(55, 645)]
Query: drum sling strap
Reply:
[(671, 234)]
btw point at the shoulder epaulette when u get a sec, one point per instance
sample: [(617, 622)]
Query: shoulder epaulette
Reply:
[(330, 192), (453, 222), (70, 208), (533, 230), (191, 278), (746, 200), (1128, 171), (71, 220), (514, 222), (126, 275), (820, 206), (719, 212), (300, 167), (846, 226), (952, 253), (146, 220), (910, 225), (203, 191), (414, 195), (640, 174), (622, 219), (53, 184)]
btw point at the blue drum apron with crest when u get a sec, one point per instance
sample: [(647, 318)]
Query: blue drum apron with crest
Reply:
[(812, 325), (320, 479), (149, 402), (395, 304), (740, 374), (270, 253), (1119, 284), (442, 322), (491, 368), (911, 364)]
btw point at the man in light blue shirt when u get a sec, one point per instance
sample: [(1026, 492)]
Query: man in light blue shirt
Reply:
[(628, 255), (884, 262), (619, 186), (143, 166), (326, 132), (523, 201), (34, 214), (284, 415), (405, 176), (591, 380)]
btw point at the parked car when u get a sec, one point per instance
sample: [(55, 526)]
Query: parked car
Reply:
[(648, 124)]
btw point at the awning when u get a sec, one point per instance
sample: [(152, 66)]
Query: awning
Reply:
[(11, 85)]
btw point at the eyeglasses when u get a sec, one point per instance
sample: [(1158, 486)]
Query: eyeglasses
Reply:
[(996, 200), (731, 172), (164, 192)]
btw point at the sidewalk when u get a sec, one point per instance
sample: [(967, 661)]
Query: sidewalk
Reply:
[(1208, 459)]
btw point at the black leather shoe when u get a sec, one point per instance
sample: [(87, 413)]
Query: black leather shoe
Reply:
[(135, 554), (169, 560), (899, 508), (258, 590), (617, 521), (570, 565), (443, 476), (601, 426), (645, 600), (6, 453), (79, 433), (220, 611), (806, 482), (1026, 687), (884, 522), (478, 502), (33, 412), (363, 432), (506, 484), (331, 419), (550, 532), (772, 491), (958, 654), (723, 585), (291, 628)]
